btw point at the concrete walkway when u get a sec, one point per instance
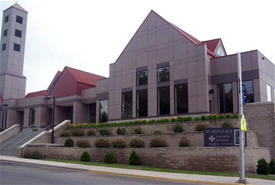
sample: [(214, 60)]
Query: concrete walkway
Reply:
[(200, 179)]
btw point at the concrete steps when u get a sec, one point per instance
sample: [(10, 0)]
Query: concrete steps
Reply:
[(9, 147)]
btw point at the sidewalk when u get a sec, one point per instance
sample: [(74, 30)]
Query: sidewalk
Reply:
[(192, 178)]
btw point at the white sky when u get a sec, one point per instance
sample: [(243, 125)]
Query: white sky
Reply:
[(90, 34)]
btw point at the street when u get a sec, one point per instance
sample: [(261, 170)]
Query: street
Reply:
[(12, 173)]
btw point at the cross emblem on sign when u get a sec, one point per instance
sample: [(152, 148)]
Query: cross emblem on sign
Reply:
[(211, 139)]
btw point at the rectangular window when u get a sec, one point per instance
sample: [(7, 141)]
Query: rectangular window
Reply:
[(16, 47), (5, 33), (19, 19), (92, 113), (4, 46), (103, 111), (163, 100), (31, 116), (18, 33), (249, 91), (142, 103), (142, 77), (225, 97), (268, 92), (7, 18), (181, 98), (127, 105), (163, 74)]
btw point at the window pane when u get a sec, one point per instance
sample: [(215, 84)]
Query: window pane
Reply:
[(4, 47), (16, 47), (163, 74), (103, 111), (127, 105), (268, 92), (142, 77), (181, 98), (7, 18), (142, 103), (92, 113), (5, 33), (249, 91), (18, 33), (225, 97), (19, 19), (163, 100), (31, 116)]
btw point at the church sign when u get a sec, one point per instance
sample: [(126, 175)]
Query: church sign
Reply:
[(222, 137)]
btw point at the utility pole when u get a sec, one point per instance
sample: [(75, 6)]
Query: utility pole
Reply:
[(241, 132)]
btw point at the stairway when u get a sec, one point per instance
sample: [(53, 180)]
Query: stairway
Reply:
[(9, 147)]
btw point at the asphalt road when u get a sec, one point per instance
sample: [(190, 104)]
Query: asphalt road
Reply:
[(12, 173)]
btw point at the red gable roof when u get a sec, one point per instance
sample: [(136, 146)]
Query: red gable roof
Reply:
[(37, 93), (212, 44), (17, 6), (83, 76)]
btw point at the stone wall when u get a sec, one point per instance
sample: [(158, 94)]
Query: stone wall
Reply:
[(191, 158), (261, 119), (6, 134)]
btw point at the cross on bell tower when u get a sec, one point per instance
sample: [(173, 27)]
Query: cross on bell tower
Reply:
[(13, 35)]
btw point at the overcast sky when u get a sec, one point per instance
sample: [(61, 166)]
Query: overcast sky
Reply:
[(89, 35)]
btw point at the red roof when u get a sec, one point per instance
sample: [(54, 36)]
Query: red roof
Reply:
[(37, 93), (84, 77), (17, 6), (212, 44)]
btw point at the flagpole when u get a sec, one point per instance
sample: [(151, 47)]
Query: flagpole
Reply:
[(241, 133)]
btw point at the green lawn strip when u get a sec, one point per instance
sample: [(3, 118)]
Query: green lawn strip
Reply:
[(148, 168)]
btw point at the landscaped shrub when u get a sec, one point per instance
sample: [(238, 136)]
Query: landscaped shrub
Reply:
[(121, 131), (78, 133), (65, 134), (272, 166), (184, 142), (138, 131), (83, 143), (86, 157), (187, 118), (33, 155), (105, 132), (221, 116), (179, 119), (119, 143), (263, 167), (173, 120), (197, 118), (200, 127), (178, 128), (102, 143), (158, 142), (152, 121), (203, 117), (134, 158), (69, 142), (136, 143), (91, 133), (110, 158), (227, 125), (157, 132)]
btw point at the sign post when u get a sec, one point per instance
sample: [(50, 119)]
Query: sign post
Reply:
[(242, 121)]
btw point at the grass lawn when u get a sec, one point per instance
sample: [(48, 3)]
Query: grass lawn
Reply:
[(148, 168)]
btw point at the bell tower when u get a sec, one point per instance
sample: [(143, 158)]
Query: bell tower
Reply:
[(13, 35)]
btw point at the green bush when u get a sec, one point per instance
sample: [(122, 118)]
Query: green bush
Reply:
[(102, 143), (221, 116), (263, 167), (86, 157), (200, 127), (105, 132), (152, 121), (119, 143), (33, 155), (272, 166), (227, 125), (138, 131), (69, 142), (78, 133), (184, 142), (228, 116), (134, 158), (173, 120), (137, 143), (158, 142), (83, 144), (65, 134), (109, 158), (203, 118), (187, 118), (157, 132), (121, 131), (197, 118), (178, 128), (91, 133), (179, 119)]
